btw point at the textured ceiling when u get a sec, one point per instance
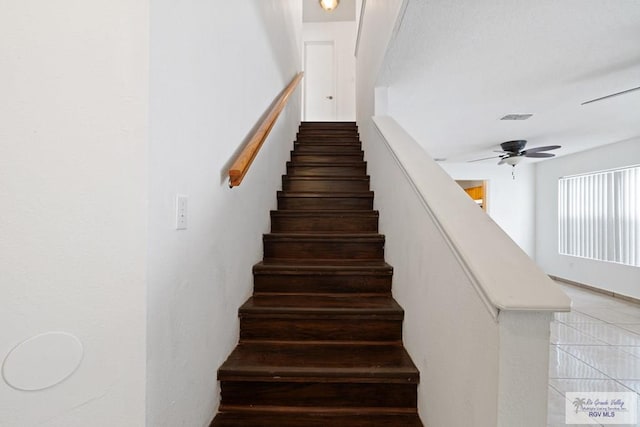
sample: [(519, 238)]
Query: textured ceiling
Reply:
[(456, 67)]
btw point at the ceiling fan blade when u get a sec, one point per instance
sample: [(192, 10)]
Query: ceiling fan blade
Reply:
[(539, 155), (633, 89), (485, 158), (538, 149), (502, 160)]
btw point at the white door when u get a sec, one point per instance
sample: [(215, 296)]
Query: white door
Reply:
[(319, 78)]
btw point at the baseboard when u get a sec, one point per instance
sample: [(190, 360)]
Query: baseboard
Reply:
[(597, 290)]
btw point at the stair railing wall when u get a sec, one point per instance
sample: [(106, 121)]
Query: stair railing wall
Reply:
[(242, 163), (477, 307)]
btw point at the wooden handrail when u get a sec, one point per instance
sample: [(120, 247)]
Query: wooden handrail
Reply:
[(242, 163)]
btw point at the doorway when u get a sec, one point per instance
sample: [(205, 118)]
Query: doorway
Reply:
[(319, 81), (477, 190)]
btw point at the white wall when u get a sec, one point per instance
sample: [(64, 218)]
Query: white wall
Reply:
[(612, 277), (419, 288), (442, 308), (73, 174), (510, 202), (451, 285), (215, 68), (376, 30), (343, 34), (454, 268)]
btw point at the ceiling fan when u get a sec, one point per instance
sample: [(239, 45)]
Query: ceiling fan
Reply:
[(513, 152)]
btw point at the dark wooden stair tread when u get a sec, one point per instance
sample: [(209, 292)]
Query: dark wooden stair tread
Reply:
[(324, 199), (328, 318), (328, 131), (327, 178), (323, 247), (337, 154), (356, 163), (331, 362), (345, 147), (326, 212), (344, 268), (334, 194), (314, 237), (335, 147), (336, 140), (331, 214), (321, 304), (317, 143), (303, 276), (328, 136), (325, 122), (330, 158), (362, 418), (334, 263), (327, 221), (327, 169), (318, 184), (324, 153)]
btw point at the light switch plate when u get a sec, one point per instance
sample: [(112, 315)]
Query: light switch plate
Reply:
[(181, 212)]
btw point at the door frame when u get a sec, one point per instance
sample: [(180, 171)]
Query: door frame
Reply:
[(485, 191), (333, 75)]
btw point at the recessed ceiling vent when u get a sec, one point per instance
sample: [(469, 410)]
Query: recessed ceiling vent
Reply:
[(516, 117)]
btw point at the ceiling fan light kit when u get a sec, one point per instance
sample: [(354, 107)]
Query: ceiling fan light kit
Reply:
[(513, 160)]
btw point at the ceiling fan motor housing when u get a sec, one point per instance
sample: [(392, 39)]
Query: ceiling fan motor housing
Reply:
[(513, 146)]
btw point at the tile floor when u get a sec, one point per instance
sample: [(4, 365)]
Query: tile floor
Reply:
[(595, 347)]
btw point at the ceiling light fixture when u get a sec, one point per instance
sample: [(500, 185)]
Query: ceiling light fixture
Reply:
[(514, 160), (329, 5)]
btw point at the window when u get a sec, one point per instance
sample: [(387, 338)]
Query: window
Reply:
[(599, 215)]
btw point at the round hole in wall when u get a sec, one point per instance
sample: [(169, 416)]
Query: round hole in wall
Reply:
[(42, 361)]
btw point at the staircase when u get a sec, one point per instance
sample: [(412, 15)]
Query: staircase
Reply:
[(321, 338)]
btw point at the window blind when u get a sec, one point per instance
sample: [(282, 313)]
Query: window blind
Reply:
[(599, 215)]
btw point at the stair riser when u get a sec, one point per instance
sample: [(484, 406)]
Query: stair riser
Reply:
[(323, 250), (327, 134), (322, 283), (324, 185), (323, 125), (305, 394), (341, 140), (322, 419), (339, 170), (352, 328), (324, 224), (326, 148), (325, 130), (325, 203), (328, 158)]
